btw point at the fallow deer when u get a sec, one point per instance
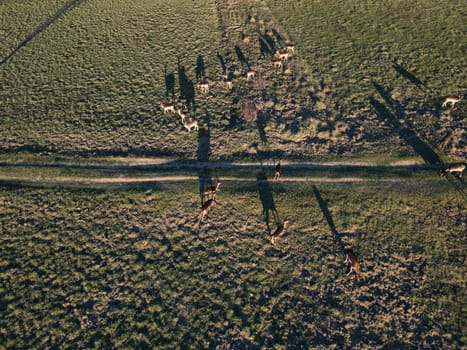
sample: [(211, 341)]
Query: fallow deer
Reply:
[(446, 140), (250, 75), (452, 100), (276, 63), (212, 190), (277, 174), (454, 168), (279, 231), (204, 86), (229, 84), (193, 124), (283, 55), (183, 114), (290, 48), (205, 207), (169, 107), (354, 266)]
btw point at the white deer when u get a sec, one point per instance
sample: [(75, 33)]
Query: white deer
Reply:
[(250, 75)]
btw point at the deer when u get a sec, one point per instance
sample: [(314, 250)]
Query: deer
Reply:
[(204, 86), (169, 107), (290, 48), (452, 100), (354, 266), (279, 231), (212, 190), (205, 207), (277, 174), (446, 140), (183, 114), (229, 83), (283, 55), (454, 168), (276, 63), (193, 124), (250, 75)]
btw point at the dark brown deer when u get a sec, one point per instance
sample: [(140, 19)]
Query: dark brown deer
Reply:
[(205, 207), (354, 266), (277, 174), (446, 140), (212, 190), (279, 231)]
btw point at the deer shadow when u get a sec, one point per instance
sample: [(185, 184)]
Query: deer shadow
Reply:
[(43, 26), (408, 75), (408, 135), (204, 145), (187, 87), (327, 215), (241, 57), (222, 62), (200, 68), (279, 37), (261, 124), (267, 200), (169, 83), (264, 48)]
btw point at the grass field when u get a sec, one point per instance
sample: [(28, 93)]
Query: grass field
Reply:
[(129, 268), (99, 189)]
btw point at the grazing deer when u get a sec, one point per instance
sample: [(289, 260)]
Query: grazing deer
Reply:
[(276, 63), (290, 48), (454, 168), (283, 55), (279, 231), (277, 174), (205, 207), (169, 107), (191, 124), (452, 100), (250, 75), (446, 140), (229, 84), (204, 86), (354, 266), (212, 190), (183, 114)]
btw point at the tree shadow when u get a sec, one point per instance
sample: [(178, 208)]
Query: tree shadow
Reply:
[(267, 200), (324, 208), (200, 68), (204, 145), (408, 135), (187, 87), (408, 75), (241, 57), (169, 83), (65, 8), (222, 62)]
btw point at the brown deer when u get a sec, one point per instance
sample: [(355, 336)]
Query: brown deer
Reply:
[(183, 114), (446, 140), (283, 55), (277, 174), (277, 63), (212, 190), (452, 100), (168, 107), (279, 231), (454, 168), (205, 207), (290, 48), (191, 124), (204, 86), (354, 266)]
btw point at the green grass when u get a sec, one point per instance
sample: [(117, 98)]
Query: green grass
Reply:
[(104, 269)]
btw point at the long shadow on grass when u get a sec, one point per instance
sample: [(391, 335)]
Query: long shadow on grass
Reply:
[(204, 144), (169, 83), (187, 87), (267, 200), (408, 75), (392, 120), (200, 68), (328, 216), (65, 8), (241, 57)]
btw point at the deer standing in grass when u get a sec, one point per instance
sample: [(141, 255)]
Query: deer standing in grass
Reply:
[(277, 174), (451, 100), (354, 266), (204, 86), (446, 140), (276, 63), (205, 207), (191, 125), (168, 107), (250, 75), (283, 55), (229, 83), (454, 168), (183, 115), (290, 48), (279, 231), (212, 190)]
